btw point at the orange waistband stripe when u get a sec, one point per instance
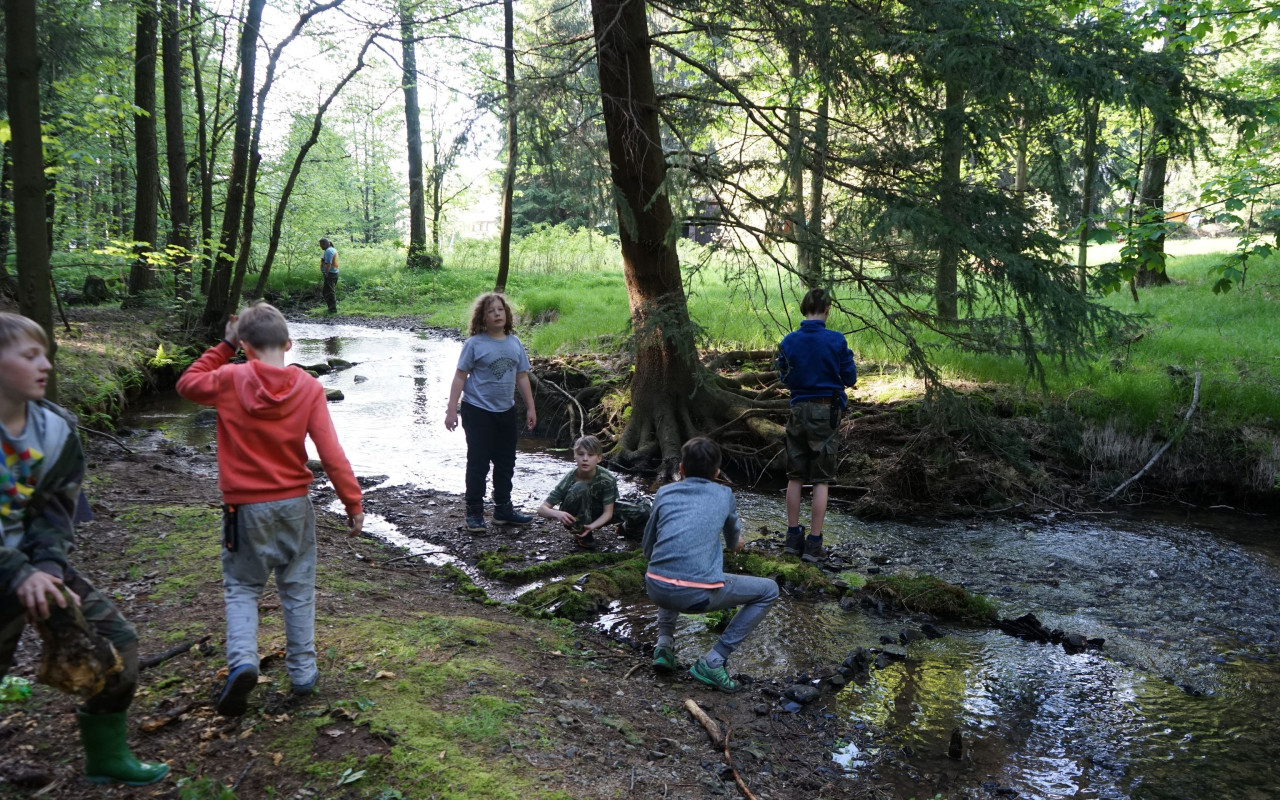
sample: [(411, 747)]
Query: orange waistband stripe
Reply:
[(685, 584)]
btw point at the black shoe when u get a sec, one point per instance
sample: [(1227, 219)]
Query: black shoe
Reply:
[(813, 552), (234, 699), (506, 514), (795, 541), (475, 521)]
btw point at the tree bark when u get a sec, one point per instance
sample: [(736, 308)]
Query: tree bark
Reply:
[(7, 286), (809, 237), (22, 69), (176, 149), (795, 158), (202, 154), (1151, 261), (146, 148), (216, 308), (413, 133), (946, 286), (1090, 158), (509, 177), (668, 404)]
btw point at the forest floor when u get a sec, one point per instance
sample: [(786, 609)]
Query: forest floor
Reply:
[(423, 694)]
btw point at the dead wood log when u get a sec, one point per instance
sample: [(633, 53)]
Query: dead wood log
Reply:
[(713, 730), (1195, 398), (172, 652), (733, 357), (74, 658)]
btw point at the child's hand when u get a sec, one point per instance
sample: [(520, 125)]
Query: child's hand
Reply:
[(451, 419), (737, 547), (355, 523), (566, 518), (531, 418), (229, 333), (34, 593)]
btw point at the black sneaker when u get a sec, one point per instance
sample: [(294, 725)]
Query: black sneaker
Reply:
[(507, 515), (795, 541), (813, 552), (475, 522), (233, 701)]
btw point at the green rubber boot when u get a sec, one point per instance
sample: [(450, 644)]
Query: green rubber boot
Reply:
[(107, 757)]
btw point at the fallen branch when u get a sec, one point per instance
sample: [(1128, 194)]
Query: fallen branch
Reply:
[(632, 671), (737, 778), (157, 660), (1195, 398), (123, 446), (713, 730), (152, 724), (582, 414)]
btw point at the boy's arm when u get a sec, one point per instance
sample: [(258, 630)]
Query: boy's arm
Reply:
[(602, 520), (848, 370), (651, 531), (334, 459), (732, 527), (546, 511), (200, 382), (455, 395), (526, 393)]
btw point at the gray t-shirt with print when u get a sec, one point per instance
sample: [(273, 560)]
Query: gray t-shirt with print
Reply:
[(492, 365), (26, 457)]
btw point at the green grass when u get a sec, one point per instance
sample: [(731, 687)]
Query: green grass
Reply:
[(181, 543)]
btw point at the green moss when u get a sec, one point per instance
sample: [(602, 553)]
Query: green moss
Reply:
[(572, 600), (464, 586), (180, 543), (930, 595), (490, 565), (791, 571)]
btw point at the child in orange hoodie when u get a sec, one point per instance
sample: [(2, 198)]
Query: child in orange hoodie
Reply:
[(265, 412)]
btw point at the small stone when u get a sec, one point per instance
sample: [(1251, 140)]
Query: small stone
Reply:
[(656, 755), (802, 694), (931, 632), (334, 395), (319, 369), (339, 363), (360, 379)]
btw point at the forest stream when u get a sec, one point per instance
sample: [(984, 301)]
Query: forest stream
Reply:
[(1182, 700)]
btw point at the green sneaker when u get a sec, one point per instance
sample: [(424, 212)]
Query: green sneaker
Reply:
[(664, 659), (715, 677)]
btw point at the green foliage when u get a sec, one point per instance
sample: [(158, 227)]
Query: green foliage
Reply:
[(205, 788), (926, 594)]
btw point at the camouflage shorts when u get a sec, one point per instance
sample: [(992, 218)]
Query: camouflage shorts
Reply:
[(811, 443)]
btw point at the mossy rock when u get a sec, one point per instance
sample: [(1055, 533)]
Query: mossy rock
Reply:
[(934, 596), (791, 571), (491, 565)]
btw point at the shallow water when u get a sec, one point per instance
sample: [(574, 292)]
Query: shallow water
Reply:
[(1182, 702)]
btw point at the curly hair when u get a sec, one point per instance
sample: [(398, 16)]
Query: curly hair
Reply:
[(481, 305)]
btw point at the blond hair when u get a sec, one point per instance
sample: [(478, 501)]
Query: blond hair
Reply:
[(15, 327), (591, 444), (481, 305), (261, 325)]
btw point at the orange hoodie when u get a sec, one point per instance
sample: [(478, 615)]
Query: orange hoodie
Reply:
[(265, 414)]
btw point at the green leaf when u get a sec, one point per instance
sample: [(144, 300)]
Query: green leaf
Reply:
[(1233, 204), (350, 776)]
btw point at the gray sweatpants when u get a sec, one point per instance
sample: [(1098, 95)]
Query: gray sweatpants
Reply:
[(278, 536), (755, 595)]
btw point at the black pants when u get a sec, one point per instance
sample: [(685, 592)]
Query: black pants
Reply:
[(491, 437), (330, 291)]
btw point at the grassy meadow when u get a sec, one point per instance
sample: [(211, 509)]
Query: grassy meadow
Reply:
[(570, 293)]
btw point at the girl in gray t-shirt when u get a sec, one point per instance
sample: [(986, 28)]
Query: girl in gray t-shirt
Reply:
[(492, 366)]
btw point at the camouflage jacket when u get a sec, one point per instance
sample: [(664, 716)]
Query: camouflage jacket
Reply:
[(55, 502)]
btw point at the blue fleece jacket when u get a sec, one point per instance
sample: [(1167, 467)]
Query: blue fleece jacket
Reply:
[(815, 362), (682, 538)]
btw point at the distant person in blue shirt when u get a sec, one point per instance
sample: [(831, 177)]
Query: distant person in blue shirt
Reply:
[(817, 365), (329, 272)]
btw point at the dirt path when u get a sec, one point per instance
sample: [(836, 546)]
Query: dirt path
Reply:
[(423, 694)]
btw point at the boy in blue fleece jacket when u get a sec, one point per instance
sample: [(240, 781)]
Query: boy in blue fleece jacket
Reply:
[(686, 564), (817, 365)]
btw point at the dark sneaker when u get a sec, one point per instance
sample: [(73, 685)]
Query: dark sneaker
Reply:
[(795, 541), (305, 689), (475, 522), (813, 552), (664, 659), (507, 515), (587, 541), (234, 699), (715, 677)]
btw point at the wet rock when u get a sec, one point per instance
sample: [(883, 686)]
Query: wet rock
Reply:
[(761, 709), (319, 369), (312, 374), (315, 466), (849, 603), (931, 632), (802, 694), (366, 481), (339, 364), (206, 417), (360, 379), (837, 681), (1074, 643), (888, 640), (1096, 642), (656, 755), (334, 395), (857, 666), (955, 750), (791, 707), (909, 636)]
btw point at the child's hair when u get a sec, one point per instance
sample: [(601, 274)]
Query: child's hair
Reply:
[(700, 458), (326, 244), (262, 325), (589, 443), (815, 302), (15, 327), (481, 305)]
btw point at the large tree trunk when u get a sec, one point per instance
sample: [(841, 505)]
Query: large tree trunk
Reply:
[(1151, 263), (317, 124), (809, 237), (176, 150), (146, 148), (217, 307), (509, 177), (668, 404), (413, 133), (947, 285), (7, 286), (202, 153), (22, 69), (1090, 158), (795, 158)]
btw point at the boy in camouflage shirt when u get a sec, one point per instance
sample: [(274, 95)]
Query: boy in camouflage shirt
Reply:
[(587, 498), (40, 502)]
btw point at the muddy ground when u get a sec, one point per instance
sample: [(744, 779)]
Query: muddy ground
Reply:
[(423, 693)]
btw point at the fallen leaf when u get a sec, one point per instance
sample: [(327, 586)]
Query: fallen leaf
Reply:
[(247, 734), (334, 732), (441, 756), (382, 673), (276, 758)]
